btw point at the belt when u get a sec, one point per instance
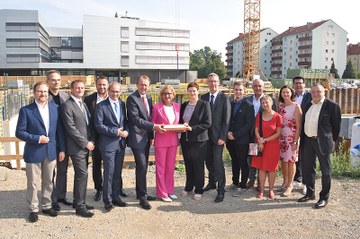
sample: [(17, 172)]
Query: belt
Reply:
[(312, 137)]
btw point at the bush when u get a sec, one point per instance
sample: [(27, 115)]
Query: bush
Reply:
[(341, 166)]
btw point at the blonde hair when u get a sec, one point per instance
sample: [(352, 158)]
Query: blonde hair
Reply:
[(167, 87)]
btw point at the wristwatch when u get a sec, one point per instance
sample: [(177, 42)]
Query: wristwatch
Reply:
[(296, 143)]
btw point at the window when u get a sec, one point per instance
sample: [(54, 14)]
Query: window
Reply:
[(124, 32), (158, 32), (124, 60), (124, 46), (333, 51), (22, 58), (326, 51)]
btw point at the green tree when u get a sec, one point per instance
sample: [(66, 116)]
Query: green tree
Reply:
[(205, 61), (349, 71), (334, 71)]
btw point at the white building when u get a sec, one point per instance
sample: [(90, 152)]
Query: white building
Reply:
[(235, 53), (311, 46), (111, 46)]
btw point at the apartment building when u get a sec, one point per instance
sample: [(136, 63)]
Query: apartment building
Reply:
[(234, 53), (353, 55), (113, 46), (311, 46)]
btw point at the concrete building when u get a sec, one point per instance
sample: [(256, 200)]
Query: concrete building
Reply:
[(116, 47), (234, 53), (353, 55), (311, 46)]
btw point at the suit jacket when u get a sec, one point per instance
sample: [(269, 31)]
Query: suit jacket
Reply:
[(30, 127), (140, 126), (305, 101), (220, 115), (63, 97), (242, 122), (200, 122), (166, 139), (78, 133), (90, 102), (328, 127), (107, 126)]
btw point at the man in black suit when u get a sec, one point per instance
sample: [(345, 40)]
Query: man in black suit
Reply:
[(258, 89), (321, 127), (303, 98), (139, 108), (111, 124), (76, 120), (91, 101), (220, 114), (239, 137), (53, 80)]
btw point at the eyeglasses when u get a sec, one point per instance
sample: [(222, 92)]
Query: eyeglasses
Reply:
[(167, 93)]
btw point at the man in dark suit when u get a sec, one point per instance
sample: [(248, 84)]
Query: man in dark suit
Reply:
[(239, 137), (53, 80), (321, 127), (220, 115), (91, 101), (111, 124), (139, 108), (258, 89), (75, 117), (39, 126), (303, 98)]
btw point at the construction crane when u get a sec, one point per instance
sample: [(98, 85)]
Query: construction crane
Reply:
[(251, 43)]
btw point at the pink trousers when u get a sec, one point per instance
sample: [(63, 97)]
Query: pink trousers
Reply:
[(165, 158)]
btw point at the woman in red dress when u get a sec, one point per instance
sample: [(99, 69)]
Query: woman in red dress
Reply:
[(269, 145)]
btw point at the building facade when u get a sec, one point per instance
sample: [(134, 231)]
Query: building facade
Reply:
[(113, 46), (234, 53), (353, 55), (311, 46)]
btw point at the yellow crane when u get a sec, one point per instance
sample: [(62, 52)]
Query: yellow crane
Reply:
[(251, 43)]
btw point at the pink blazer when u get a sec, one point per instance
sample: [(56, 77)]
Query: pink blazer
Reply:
[(166, 139)]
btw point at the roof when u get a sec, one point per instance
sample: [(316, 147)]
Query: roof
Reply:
[(353, 49), (242, 36), (305, 28)]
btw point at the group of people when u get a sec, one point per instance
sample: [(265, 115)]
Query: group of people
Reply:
[(57, 127)]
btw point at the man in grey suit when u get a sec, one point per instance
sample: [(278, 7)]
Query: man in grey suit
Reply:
[(53, 80), (258, 89), (75, 117), (220, 114), (139, 108), (111, 124)]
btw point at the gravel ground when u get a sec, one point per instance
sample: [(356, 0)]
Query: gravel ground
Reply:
[(242, 217)]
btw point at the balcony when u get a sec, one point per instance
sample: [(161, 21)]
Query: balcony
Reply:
[(229, 47), (304, 55), (308, 38), (276, 73), (276, 58), (276, 50), (276, 43), (304, 63), (276, 65), (305, 47)]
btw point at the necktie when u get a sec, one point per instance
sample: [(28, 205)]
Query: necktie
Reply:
[(211, 101), (84, 112), (117, 112), (145, 104)]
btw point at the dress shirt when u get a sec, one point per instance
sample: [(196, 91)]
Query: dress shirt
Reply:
[(113, 102), (312, 119), (44, 112), (257, 104), (98, 99), (299, 98)]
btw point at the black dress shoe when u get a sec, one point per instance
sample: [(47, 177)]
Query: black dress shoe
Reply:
[(84, 213), (119, 203), (321, 204), (88, 207), (209, 187), (108, 206), (55, 206), (123, 193), (65, 202), (51, 212), (150, 198), (306, 198), (219, 197), (33, 217), (97, 195), (145, 204), (250, 184)]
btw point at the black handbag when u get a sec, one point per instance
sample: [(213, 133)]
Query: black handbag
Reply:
[(254, 147)]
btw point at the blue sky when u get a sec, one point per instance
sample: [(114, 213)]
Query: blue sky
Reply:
[(212, 22)]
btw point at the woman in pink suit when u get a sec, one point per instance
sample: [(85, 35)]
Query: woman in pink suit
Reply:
[(166, 113)]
